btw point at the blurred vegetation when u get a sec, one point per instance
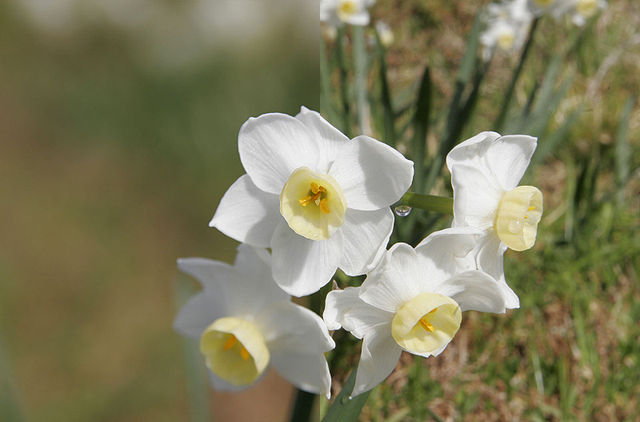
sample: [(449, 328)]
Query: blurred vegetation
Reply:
[(111, 167), (571, 352)]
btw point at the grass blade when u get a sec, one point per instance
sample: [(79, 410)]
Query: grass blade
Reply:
[(623, 150)]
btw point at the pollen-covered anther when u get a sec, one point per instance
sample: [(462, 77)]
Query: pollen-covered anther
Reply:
[(318, 195), (517, 218)]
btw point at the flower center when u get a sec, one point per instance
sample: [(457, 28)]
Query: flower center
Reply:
[(346, 8), (587, 7), (312, 204), (505, 40), (518, 215), (234, 350), (426, 323)]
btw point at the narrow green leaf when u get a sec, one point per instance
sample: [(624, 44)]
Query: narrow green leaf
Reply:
[(343, 74), (388, 117), (420, 128), (343, 408), (506, 101), (623, 150), (360, 78), (467, 64), (550, 143)]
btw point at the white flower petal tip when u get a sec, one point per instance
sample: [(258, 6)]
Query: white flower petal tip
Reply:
[(312, 195), (245, 322)]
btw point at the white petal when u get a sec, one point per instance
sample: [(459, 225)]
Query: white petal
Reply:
[(329, 139), (490, 259), (198, 313), (476, 196), (474, 291), (214, 275), (272, 146), (302, 266), (372, 175), (508, 158), (379, 356), (470, 151), (447, 252), (398, 279), (253, 287), (247, 213), (307, 372), (288, 327), (344, 308), (365, 235)]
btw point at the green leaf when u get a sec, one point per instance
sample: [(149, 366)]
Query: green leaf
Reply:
[(9, 406), (506, 101), (420, 128), (385, 94), (623, 150), (343, 408)]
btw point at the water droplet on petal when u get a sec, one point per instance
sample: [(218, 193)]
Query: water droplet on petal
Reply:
[(402, 210)]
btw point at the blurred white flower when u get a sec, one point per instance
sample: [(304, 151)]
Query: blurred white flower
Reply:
[(412, 301), (540, 7), (319, 200), (338, 12), (506, 27), (245, 323), (485, 171), (579, 11), (384, 33)]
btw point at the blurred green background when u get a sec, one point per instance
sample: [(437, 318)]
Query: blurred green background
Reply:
[(118, 125)]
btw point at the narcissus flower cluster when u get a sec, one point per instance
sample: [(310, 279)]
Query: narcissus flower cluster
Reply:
[(313, 201), (507, 22)]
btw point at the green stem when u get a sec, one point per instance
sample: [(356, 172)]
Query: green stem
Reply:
[(498, 124), (433, 203)]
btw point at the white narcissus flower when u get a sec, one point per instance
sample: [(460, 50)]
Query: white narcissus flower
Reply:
[(319, 200), (338, 12), (413, 301), (245, 323), (578, 10), (507, 25), (485, 172)]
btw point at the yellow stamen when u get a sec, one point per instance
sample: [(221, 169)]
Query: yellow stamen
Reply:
[(324, 207), (424, 321), (531, 208), (231, 341), (317, 195), (244, 354)]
